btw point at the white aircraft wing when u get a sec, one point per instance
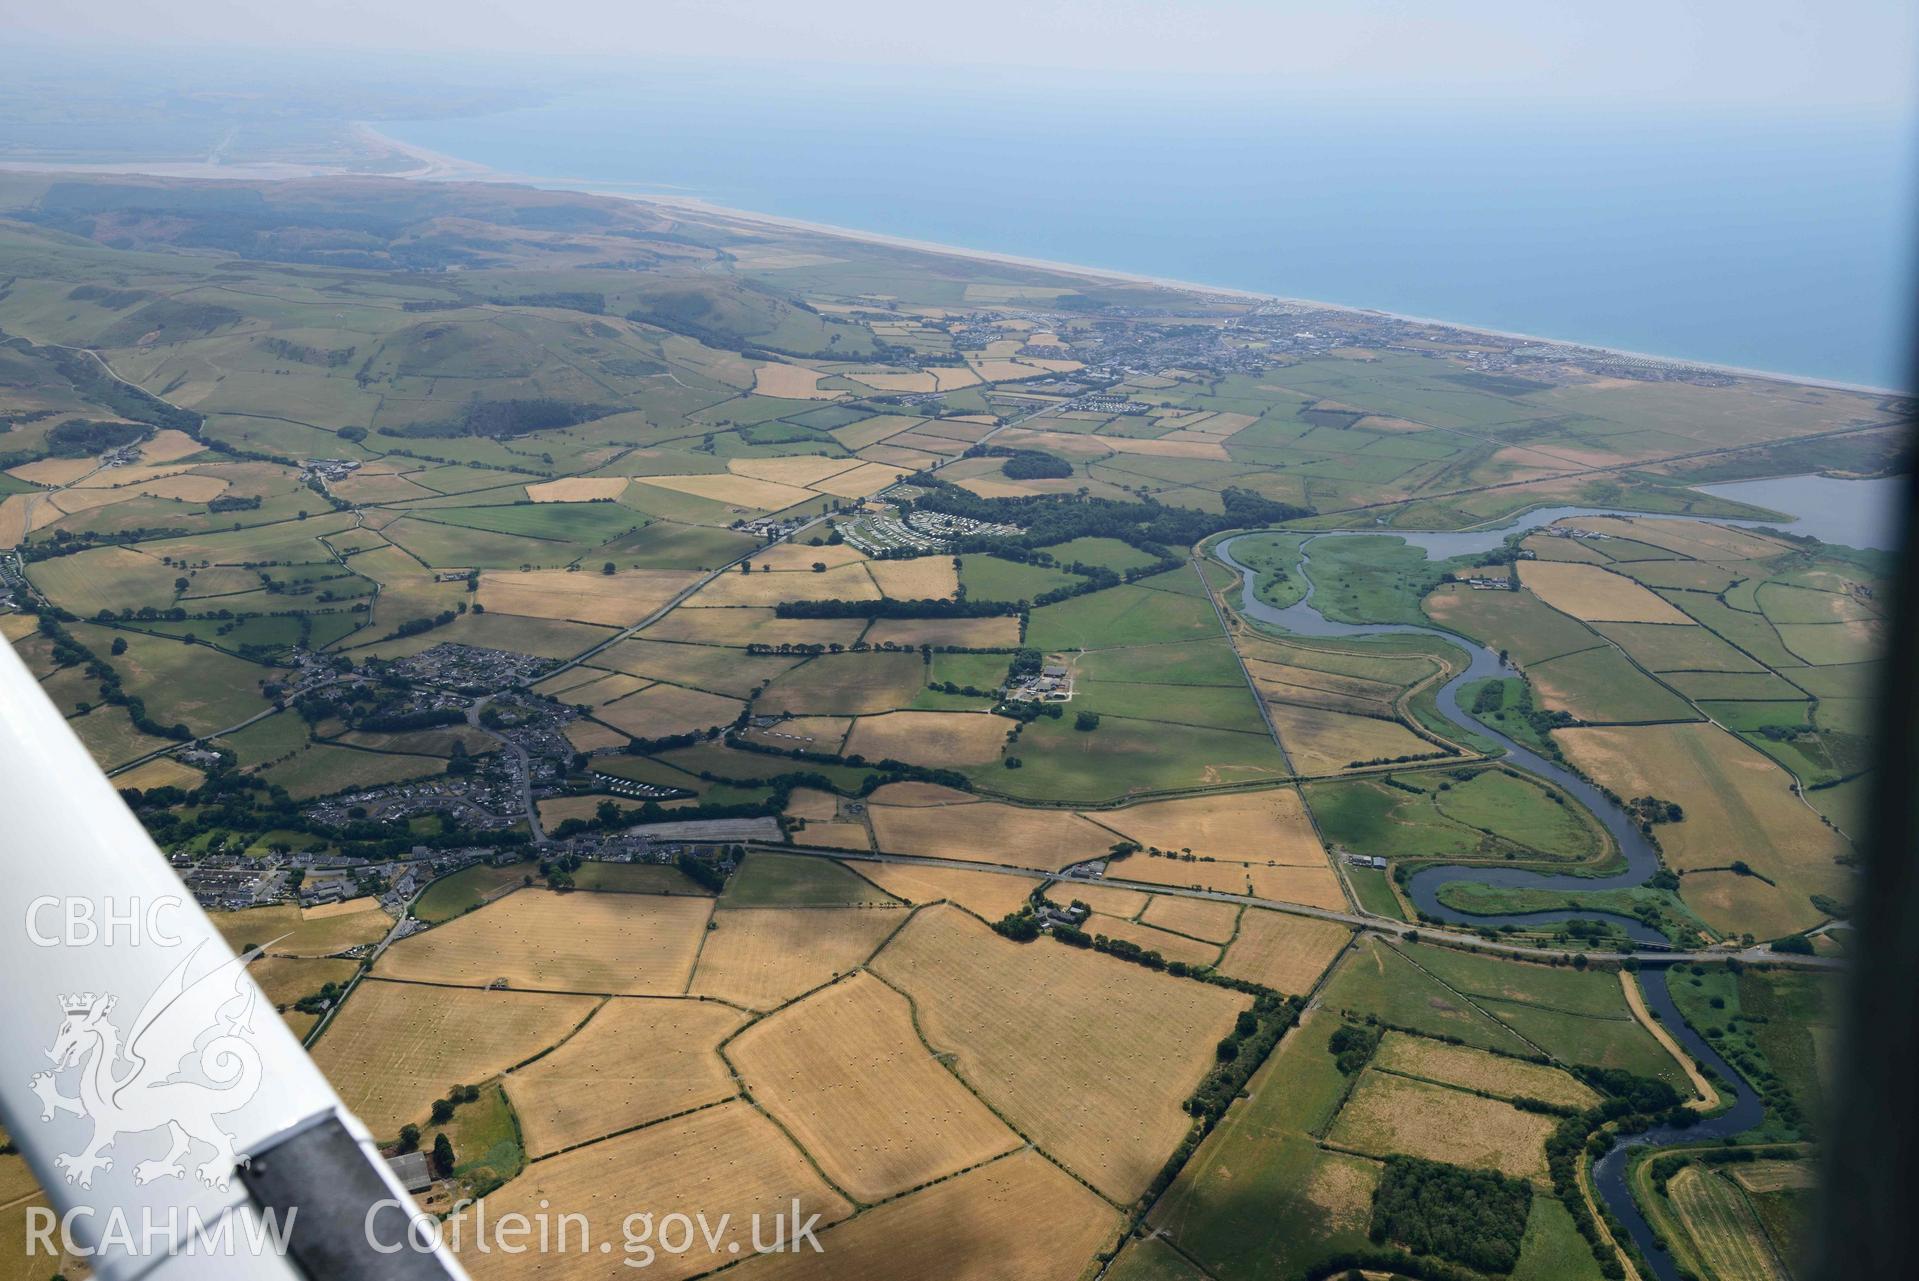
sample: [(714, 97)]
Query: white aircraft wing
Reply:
[(149, 1083)]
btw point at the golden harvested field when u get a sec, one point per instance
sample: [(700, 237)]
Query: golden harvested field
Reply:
[(809, 803), (586, 736), (631, 944), (1019, 1217), (989, 894), (1284, 952), (989, 832), (713, 668), (1720, 1223), (922, 578), (598, 688), (1312, 886), (870, 431), (836, 836), (21, 514), (930, 738), (169, 446), (798, 556), (1110, 900), (54, 471), (661, 711), (742, 626), (1088, 1055), (1174, 947), (1477, 1070), (162, 771), (815, 733), (1595, 595), (1228, 877), (636, 1060), (846, 685), (1688, 538), (846, 1074), (305, 932), (1738, 805), (1267, 825), (395, 1047), (1774, 1176), (794, 469), (769, 587), (790, 382), (1199, 917), (867, 478), (577, 489), (735, 491), (285, 979), (1392, 1114), (725, 1161), (921, 794), (616, 600), (960, 633), (1321, 741), (761, 957)]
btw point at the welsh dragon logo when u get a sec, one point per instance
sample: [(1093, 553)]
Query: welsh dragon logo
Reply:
[(185, 1061)]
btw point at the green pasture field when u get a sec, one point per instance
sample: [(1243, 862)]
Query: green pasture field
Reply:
[(1186, 663), (1601, 686), (634, 878), (1126, 757), (1510, 716), (708, 667), (1120, 616), (1371, 580), (1240, 1205), (796, 880), (280, 734), (1773, 1027), (1376, 978), (110, 578), (1209, 706), (1664, 910), (1491, 816), (441, 546), (468, 888), (1151, 1259), (322, 770), (1552, 1249), (111, 738), (846, 684), (1375, 891), (1517, 623), (1670, 648), (1275, 559), (669, 545), (1577, 1016), (1108, 553), (202, 688), (729, 764), (981, 671), (486, 1141), (990, 578)]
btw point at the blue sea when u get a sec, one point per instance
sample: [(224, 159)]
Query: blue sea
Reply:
[(1777, 243)]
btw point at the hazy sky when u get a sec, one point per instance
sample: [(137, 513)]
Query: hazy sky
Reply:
[(1770, 53)]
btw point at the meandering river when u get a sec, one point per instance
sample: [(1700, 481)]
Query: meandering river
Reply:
[(1815, 496)]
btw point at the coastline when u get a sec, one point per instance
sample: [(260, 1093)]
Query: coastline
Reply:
[(480, 173), (433, 166)]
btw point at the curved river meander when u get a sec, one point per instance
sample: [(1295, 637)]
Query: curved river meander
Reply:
[(1304, 619)]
